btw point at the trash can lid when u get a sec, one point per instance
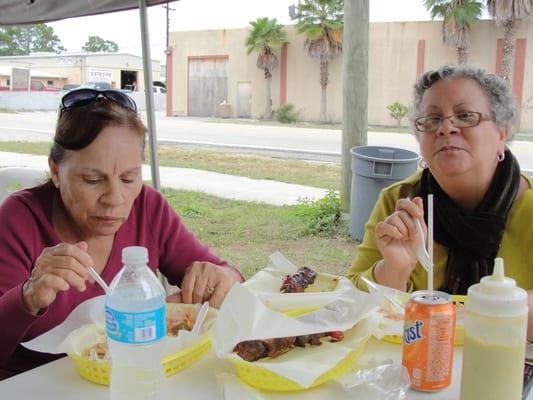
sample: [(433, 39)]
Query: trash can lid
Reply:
[(384, 154)]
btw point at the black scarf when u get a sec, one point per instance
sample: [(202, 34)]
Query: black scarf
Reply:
[(473, 239)]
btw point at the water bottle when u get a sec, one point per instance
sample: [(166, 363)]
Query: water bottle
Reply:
[(495, 338), (135, 325)]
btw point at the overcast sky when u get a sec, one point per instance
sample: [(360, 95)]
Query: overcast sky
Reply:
[(123, 28)]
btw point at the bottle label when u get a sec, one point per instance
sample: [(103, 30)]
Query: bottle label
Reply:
[(142, 327)]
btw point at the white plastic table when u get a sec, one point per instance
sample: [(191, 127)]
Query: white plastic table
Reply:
[(60, 380)]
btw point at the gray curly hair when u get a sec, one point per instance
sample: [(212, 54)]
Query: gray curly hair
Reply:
[(499, 93)]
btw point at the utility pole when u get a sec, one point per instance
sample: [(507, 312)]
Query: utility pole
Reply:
[(355, 88), (167, 7)]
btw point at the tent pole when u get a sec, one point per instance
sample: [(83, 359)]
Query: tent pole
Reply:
[(149, 95)]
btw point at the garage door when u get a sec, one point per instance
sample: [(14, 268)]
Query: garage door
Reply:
[(208, 85)]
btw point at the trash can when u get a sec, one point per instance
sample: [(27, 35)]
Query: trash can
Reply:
[(374, 168), (224, 110)]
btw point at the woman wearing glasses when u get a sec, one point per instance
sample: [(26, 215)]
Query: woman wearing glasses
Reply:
[(483, 203), (94, 204)]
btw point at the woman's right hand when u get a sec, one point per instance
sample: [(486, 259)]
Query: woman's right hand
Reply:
[(56, 269), (396, 237)]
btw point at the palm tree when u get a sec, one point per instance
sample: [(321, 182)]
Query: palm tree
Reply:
[(266, 35), (508, 13), (322, 22), (457, 17)]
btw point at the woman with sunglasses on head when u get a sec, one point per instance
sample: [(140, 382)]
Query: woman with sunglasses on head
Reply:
[(483, 203), (94, 205)]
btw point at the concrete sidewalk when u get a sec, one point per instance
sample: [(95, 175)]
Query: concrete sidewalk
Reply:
[(220, 185)]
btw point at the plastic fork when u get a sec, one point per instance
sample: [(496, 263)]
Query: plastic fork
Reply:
[(202, 313), (421, 253), (395, 303), (98, 279)]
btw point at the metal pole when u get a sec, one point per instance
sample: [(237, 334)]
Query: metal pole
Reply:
[(149, 95)]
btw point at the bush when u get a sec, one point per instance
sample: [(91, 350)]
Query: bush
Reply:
[(286, 114), (323, 216), (397, 111)]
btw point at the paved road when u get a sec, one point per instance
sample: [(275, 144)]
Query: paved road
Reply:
[(308, 143)]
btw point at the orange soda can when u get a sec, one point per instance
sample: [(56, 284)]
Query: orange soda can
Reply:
[(428, 339)]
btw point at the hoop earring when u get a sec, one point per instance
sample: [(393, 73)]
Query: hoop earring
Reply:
[(422, 164), (500, 157)]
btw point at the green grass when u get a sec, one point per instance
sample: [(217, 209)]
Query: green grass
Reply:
[(39, 148), (246, 233), (257, 167), (253, 166), (6, 111)]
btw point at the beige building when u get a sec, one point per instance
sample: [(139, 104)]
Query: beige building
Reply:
[(119, 69), (38, 78), (205, 68)]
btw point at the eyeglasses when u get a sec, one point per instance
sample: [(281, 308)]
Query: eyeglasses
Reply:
[(465, 119), (82, 97)]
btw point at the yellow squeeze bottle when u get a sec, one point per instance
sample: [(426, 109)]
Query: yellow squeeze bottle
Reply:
[(495, 338)]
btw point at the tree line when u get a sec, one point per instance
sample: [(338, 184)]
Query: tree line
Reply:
[(21, 40)]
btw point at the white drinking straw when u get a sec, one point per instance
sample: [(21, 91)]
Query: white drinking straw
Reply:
[(430, 245)]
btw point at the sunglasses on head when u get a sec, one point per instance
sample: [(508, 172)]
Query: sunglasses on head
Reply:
[(82, 97)]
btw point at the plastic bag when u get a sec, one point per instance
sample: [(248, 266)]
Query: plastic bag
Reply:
[(384, 382)]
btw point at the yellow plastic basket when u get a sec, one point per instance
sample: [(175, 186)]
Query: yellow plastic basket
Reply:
[(459, 329), (100, 372), (262, 378)]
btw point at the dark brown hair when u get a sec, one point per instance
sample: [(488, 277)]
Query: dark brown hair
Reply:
[(78, 127)]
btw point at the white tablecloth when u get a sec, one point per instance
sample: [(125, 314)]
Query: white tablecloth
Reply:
[(60, 380)]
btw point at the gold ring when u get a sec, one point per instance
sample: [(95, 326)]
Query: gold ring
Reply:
[(209, 290)]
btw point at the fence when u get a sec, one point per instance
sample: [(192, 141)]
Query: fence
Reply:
[(50, 100)]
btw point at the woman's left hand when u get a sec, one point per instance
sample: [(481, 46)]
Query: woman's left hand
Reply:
[(204, 281)]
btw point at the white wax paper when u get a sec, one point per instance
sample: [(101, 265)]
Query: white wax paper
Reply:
[(244, 317), (90, 312), (393, 321), (85, 326)]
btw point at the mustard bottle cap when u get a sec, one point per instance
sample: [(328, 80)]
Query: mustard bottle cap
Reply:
[(497, 295)]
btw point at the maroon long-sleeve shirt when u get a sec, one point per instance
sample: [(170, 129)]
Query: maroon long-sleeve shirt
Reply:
[(26, 228)]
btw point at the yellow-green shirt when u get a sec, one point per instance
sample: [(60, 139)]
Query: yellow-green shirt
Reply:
[(516, 246)]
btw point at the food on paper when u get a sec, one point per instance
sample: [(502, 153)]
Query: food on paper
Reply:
[(97, 352), (178, 323), (278, 286), (253, 350), (296, 283), (183, 320)]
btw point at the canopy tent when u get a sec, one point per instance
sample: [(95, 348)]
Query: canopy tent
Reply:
[(15, 12)]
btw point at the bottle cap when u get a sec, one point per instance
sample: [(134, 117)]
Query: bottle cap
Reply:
[(497, 295), (134, 255)]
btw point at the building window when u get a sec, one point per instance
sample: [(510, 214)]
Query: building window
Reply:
[(50, 83), (8, 82)]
